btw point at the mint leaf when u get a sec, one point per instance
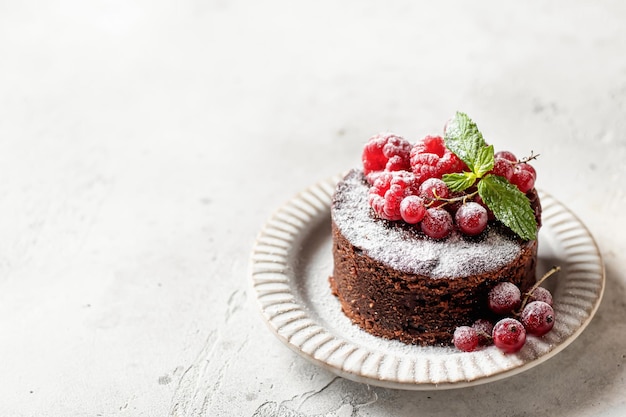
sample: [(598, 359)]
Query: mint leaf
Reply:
[(509, 205), (464, 139), (484, 161), (459, 181)]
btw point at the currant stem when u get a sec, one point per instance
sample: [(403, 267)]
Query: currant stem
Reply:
[(547, 275), (485, 335), (463, 198), (528, 158)]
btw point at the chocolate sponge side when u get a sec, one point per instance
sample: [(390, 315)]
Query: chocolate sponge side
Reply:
[(412, 308)]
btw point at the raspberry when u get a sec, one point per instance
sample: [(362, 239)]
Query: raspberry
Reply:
[(437, 223), (397, 163), (425, 166), (386, 152), (431, 144), (504, 298), (465, 338), (412, 209), (509, 335), (430, 158), (450, 163), (388, 191)]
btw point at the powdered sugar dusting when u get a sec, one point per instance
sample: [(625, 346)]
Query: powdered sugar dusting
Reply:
[(402, 247)]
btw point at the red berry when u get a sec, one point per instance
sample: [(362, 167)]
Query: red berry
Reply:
[(538, 318), (432, 190), (503, 168), (509, 335), (465, 338), (388, 191), (480, 201), (527, 167), (396, 163), (424, 166), (541, 294), (430, 144), (523, 177), (483, 328), (450, 163), (509, 156), (386, 152), (437, 223), (412, 209), (430, 158), (471, 218), (504, 298)]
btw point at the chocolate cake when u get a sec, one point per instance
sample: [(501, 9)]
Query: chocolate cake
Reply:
[(397, 283)]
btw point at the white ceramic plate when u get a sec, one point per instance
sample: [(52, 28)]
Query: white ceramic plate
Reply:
[(291, 263)]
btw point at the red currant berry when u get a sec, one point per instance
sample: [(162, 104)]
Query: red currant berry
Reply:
[(465, 338), (509, 335), (527, 167), (523, 178), (386, 152), (504, 298), (437, 223), (388, 191), (509, 156), (541, 294), (471, 218), (483, 328), (503, 168), (432, 190), (412, 209), (480, 201), (538, 318)]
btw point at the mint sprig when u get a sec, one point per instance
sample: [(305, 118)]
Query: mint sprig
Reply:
[(464, 139), (459, 181), (504, 199)]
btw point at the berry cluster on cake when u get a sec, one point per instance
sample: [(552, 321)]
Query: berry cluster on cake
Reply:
[(423, 232)]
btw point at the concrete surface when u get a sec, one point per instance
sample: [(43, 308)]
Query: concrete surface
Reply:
[(144, 143)]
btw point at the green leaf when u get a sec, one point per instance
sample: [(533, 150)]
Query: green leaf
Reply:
[(464, 139), (459, 181), (509, 205), (484, 161)]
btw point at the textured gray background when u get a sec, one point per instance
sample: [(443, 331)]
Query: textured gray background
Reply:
[(144, 143)]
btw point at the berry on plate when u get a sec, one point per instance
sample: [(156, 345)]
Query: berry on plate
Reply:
[(509, 335), (504, 298)]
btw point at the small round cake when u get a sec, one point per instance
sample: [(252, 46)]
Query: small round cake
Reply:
[(422, 233), (397, 283)]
